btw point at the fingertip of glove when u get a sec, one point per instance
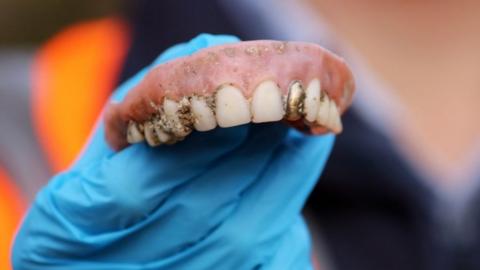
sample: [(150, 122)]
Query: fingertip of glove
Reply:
[(207, 40), (310, 147), (201, 41)]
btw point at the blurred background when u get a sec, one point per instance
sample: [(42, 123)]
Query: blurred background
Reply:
[(24, 27), (25, 161), (27, 23), (401, 189)]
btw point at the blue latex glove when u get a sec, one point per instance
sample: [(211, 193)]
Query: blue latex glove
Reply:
[(225, 199)]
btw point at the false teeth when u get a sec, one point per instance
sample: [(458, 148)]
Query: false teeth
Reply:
[(294, 103), (312, 100), (267, 105), (204, 118), (232, 109), (134, 134)]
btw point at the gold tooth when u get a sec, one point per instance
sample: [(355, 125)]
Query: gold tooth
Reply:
[(294, 102)]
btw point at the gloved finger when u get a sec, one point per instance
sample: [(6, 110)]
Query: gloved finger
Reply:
[(200, 205), (284, 185), (133, 194), (274, 201), (108, 195), (128, 185), (96, 147), (117, 189), (261, 172), (294, 250), (271, 173), (265, 209), (203, 199), (85, 210)]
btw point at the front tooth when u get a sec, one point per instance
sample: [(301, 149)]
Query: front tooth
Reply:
[(334, 122), (294, 103), (204, 117), (150, 134), (312, 100), (170, 109), (134, 135), (232, 109), (267, 105), (323, 109)]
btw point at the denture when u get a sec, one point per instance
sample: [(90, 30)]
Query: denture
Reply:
[(230, 85)]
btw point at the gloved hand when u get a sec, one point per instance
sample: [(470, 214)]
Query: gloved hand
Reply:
[(224, 199)]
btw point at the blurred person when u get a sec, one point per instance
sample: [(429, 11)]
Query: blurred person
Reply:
[(400, 187)]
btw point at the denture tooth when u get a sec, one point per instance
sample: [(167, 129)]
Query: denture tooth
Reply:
[(294, 103), (323, 109), (204, 117), (334, 121), (171, 110), (162, 136), (134, 134), (232, 109), (267, 105), (312, 100), (150, 134)]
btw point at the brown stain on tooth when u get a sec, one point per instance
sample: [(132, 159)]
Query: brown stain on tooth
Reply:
[(150, 134), (203, 112), (170, 123), (211, 102), (294, 102), (185, 117), (169, 119), (323, 109), (162, 135)]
